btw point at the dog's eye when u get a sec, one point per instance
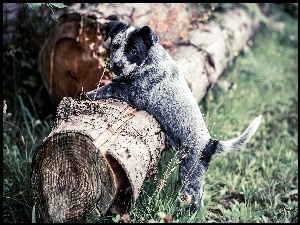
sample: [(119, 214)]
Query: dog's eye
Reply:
[(133, 51)]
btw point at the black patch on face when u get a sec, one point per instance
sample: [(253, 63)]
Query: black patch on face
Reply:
[(209, 150), (136, 49)]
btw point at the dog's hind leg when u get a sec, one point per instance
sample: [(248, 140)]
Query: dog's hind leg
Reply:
[(194, 163)]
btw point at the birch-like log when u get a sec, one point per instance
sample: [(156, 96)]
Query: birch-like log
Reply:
[(95, 159)]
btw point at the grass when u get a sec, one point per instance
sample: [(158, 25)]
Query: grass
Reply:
[(256, 184), (17, 155)]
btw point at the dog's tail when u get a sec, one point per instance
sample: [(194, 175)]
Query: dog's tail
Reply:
[(234, 144)]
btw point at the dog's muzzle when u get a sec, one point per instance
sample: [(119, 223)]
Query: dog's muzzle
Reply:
[(117, 67)]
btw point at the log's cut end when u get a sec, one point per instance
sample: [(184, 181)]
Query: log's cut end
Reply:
[(94, 160), (70, 180), (72, 58)]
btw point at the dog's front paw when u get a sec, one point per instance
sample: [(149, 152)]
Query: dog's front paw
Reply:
[(91, 95), (116, 79), (122, 79), (99, 93)]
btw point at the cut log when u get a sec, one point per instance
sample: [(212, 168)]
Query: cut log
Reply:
[(95, 159), (69, 177)]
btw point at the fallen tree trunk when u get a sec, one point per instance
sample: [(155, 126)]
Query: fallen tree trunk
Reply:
[(73, 57), (95, 159), (202, 52)]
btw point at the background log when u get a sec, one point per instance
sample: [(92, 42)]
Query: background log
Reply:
[(95, 159), (72, 59), (202, 51)]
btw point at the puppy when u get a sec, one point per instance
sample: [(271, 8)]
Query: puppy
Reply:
[(148, 79)]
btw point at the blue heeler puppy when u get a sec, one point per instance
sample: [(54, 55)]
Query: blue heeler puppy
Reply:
[(148, 79)]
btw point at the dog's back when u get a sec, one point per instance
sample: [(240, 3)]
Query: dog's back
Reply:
[(168, 97)]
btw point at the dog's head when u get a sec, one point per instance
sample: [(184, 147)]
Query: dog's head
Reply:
[(129, 46)]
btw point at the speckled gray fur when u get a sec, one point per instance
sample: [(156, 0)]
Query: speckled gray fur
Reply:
[(157, 86)]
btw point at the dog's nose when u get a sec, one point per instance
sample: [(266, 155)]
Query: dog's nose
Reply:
[(117, 67)]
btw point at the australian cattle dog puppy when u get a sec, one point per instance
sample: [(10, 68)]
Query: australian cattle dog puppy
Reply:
[(147, 78)]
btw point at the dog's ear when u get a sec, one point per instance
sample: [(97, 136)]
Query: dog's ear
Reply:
[(112, 18), (148, 36), (112, 28)]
